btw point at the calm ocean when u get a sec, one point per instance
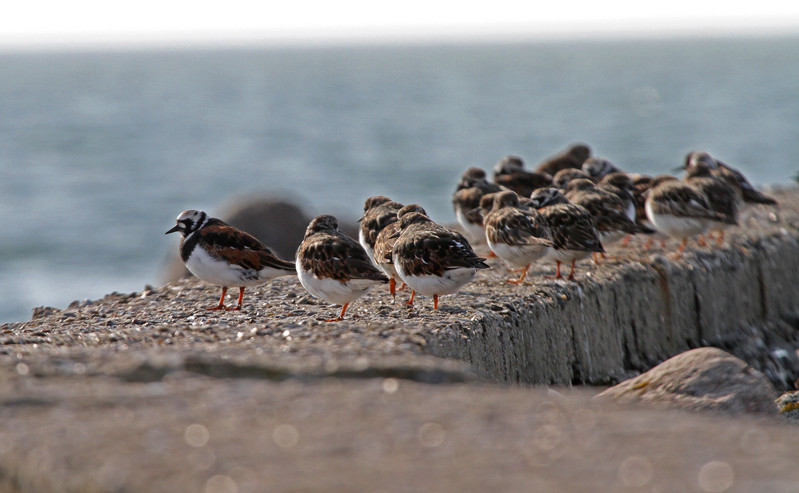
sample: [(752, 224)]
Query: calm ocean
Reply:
[(99, 151)]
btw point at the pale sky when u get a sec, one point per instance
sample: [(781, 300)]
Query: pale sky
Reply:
[(45, 22)]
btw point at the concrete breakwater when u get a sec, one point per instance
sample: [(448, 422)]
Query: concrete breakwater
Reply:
[(744, 298)]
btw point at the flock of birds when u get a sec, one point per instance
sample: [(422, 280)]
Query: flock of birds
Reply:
[(570, 207)]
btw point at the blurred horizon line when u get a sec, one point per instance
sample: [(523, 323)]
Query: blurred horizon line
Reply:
[(391, 36)]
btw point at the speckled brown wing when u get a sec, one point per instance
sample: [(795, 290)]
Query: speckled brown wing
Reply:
[(516, 227), (468, 201), (377, 218), (523, 182), (336, 256), (431, 249), (607, 211), (736, 179), (681, 199), (384, 243), (553, 165), (571, 227), (721, 197), (223, 241)]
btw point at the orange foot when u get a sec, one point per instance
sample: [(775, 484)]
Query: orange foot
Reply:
[(340, 317)]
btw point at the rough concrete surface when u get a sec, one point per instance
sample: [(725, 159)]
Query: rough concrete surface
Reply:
[(148, 391)]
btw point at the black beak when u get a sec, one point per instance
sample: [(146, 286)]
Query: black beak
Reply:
[(175, 228)]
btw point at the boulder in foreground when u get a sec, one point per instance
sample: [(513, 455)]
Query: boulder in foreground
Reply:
[(705, 378)]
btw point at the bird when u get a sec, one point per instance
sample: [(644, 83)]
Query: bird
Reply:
[(378, 212), (574, 235), (384, 244), (720, 195), (620, 184), (598, 167), (221, 254), (334, 267), (679, 210), (745, 190), (509, 173), (573, 157), (607, 210), (466, 201), (431, 259), (563, 177), (519, 236)]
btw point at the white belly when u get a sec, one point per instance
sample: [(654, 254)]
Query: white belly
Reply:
[(677, 226), (390, 270), (519, 255), (474, 232), (215, 271), (369, 250), (568, 255), (428, 285), (334, 291)]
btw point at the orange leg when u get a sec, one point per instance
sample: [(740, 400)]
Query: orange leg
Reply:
[(571, 274), (340, 317), (435, 302), (241, 297), (392, 287), (410, 301), (403, 287), (221, 305), (557, 275), (719, 237), (521, 278), (700, 240), (626, 241), (491, 254)]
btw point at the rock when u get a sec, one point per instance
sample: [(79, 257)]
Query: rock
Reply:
[(701, 379), (788, 406)]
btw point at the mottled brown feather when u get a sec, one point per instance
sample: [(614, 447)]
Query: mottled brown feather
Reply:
[(572, 227), (431, 249), (330, 254), (238, 247)]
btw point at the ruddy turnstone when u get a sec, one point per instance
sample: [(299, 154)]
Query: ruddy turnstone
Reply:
[(563, 177), (574, 235), (334, 267), (607, 210), (431, 259), (220, 254), (384, 244), (747, 192), (517, 236), (679, 210), (378, 212), (720, 196), (509, 172), (598, 167), (620, 184), (466, 202), (573, 157)]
